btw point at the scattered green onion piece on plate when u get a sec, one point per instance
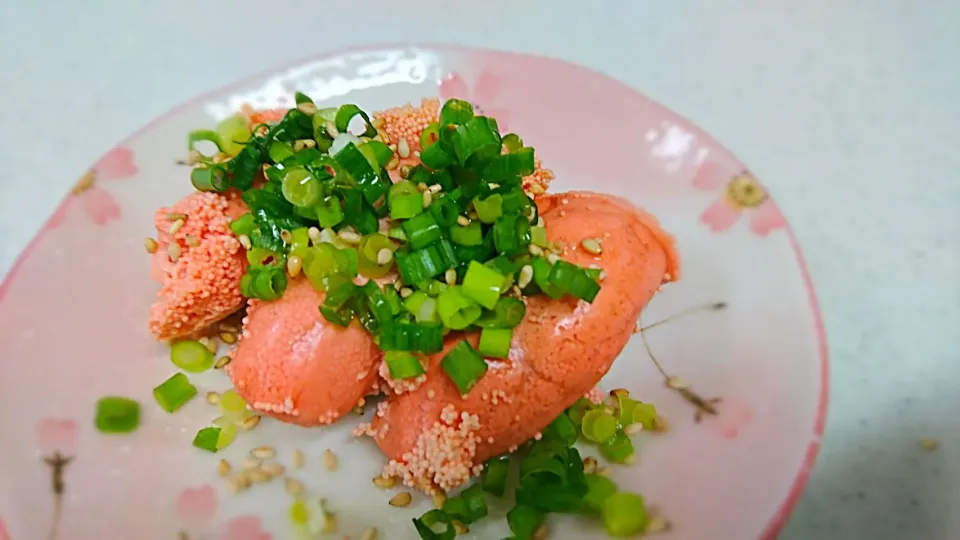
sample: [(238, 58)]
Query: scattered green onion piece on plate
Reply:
[(541, 275), (468, 507), (206, 439), (624, 514), (495, 342), (644, 414), (190, 355), (464, 366), (233, 406), (228, 431), (599, 488), (562, 429), (203, 135), (483, 284), (598, 426), (456, 310), (233, 132), (578, 409), (618, 449), (403, 365), (174, 392), (212, 178), (524, 521), (573, 280), (116, 414), (495, 472), (435, 525)]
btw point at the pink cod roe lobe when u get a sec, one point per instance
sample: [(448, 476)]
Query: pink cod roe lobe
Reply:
[(293, 364), (199, 263)]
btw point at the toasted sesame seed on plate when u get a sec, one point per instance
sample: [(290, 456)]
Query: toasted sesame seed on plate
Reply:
[(591, 245), (401, 499), (293, 486), (223, 468), (150, 245), (370, 533), (384, 482), (329, 460), (298, 459), (263, 452)]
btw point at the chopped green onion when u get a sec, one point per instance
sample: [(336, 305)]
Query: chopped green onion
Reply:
[(212, 178), (174, 392), (422, 264), (435, 525), (511, 234), (269, 283), (280, 151), (329, 211), (335, 307), (369, 255), (190, 355), (479, 136), (430, 135), (593, 273), (599, 488), (228, 431), (464, 366), (207, 439), (574, 281), (397, 234), (456, 310), (541, 275), (203, 135), (495, 475), (482, 284), (456, 111), (624, 514), (489, 209), (436, 157), (511, 165), (117, 415), (538, 236), (243, 224), (324, 261), (351, 165), (403, 365), (445, 210), (471, 235), (512, 142), (377, 153), (422, 337), (422, 306), (578, 409), (562, 429), (644, 414), (246, 166), (495, 342), (598, 426), (259, 257), (422, 230), (468, 507), (406, 205), (524, 521), (233, 406), (346, 113), (509, 311), (618, 448)]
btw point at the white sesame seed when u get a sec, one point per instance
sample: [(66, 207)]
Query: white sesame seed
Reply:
[(463, 221), (174, 216), (263, 452), (393, 163), (405, 292), (213, 398), (223, 468), (314, 234), (591, 245), (526, 275), (540, 222), (273, 469), (222, 362), (553, 258), (460, 527), (384, 482), (249, 463), (438, 499), (370, 533), (175, 226), (332, 129), (451, 277), (150, 245), (384, 256), (589, 465), (294, 265), (657, 524), (493, 185), (307, 108), (427, 199), (293, 486), (191, 240), (174, 251), (633, 429), (244, 241), (350, 237), (401, 499), (403, 148), (535, 250), (329, 460), (436, 188)]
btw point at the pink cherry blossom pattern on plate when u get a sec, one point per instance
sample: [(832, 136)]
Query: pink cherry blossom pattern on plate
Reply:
[(57, 435), (97, 203), (197, 505), (483, 96), (4, 535), (732, 417), (739, 194), (245, 528)]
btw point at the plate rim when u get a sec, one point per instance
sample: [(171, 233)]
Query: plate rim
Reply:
[(785, 509)]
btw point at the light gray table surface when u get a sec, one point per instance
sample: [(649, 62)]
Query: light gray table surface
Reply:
[(846, 109)]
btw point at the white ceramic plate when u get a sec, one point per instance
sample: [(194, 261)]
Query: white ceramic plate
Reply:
[(73, 323)]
